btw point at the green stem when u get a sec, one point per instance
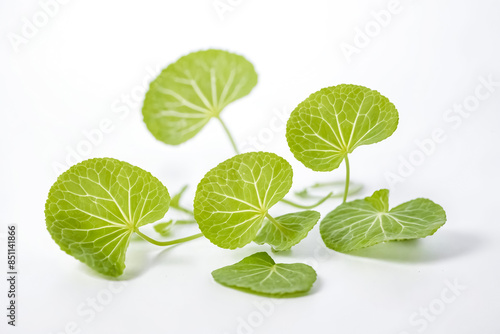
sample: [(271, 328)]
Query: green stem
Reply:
[(169, 242), (312, 206), (275, 222), (353, 189), (229, 135), (347, 178), (182, 209)]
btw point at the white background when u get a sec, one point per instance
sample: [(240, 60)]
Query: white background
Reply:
[(70, 76)]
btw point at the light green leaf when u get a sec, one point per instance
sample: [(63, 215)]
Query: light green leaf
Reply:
[(176, 199), (332, 122), (233, 198), (164, 228), (367, 222), (94, 207), (260, 274), (175, 203), (189, 92), (287, 230), (184, 221)]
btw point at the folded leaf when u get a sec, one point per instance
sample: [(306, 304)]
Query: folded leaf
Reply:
[(259, 273), (332, 122), (94, 207), (367, 222), (164, 228), (287, 230)]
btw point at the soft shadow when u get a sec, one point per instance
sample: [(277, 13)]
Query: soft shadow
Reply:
[(435, 248), (143, 259), (278, 296), (139, 260)]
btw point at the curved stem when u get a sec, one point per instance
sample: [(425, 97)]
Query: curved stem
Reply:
[(229, 135), (169, 242), (312, 206), (347, 178)]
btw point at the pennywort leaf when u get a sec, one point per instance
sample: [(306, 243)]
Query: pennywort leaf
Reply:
[(94, 207), (285, 231), (334, 121), (176, 199), (175, 203), (189, 92), (233, 199), (259, 273), (164, 228), (367, 222)]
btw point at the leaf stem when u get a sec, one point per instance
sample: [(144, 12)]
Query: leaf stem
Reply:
[(169, 242), (347, 178), (274, 222), (353, 189), (226, 129), (312, 206), (183, 209)]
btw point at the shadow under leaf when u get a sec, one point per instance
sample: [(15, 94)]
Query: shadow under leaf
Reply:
[(435, 248), (271, 295)]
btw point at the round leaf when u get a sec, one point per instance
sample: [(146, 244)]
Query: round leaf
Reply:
[(233, 198), (367, 222), (189, 92), (259, 273), (332, 122), (94, 207), (287, 230)]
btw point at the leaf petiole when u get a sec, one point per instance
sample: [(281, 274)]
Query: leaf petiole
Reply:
[(226, 129), (182, 209), (354, 188), (312, 206), (169, 242), (347, 178)]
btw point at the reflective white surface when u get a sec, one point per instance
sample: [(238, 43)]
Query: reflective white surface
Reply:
[(83, 72)]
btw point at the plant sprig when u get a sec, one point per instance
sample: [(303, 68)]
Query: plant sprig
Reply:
[(321, 133), (193, 90), (95, 207)]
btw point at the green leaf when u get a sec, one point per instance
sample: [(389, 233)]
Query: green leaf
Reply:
[(176, 199), (94, 207), (164, 228), (175, 203), (189, 92), (233, 198), (184, 221), (334, 121), (287, 230), (259, 273), (367, 222)]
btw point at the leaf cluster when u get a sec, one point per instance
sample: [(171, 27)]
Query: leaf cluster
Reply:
[(95, 207)]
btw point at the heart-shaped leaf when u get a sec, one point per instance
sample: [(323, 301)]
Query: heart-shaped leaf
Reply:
[(94, 207), (332, 122), (259, 273), (233, 199), (189, 92), (367, 222)]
